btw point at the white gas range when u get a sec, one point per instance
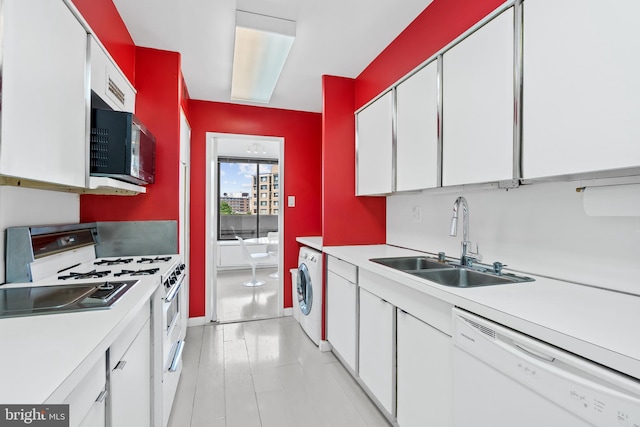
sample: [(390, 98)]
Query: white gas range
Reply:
[(65, 259)]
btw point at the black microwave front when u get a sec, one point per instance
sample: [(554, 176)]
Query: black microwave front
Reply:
[(121, 147)]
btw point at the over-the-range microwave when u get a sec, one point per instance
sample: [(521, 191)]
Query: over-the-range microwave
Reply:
[(121, 147)]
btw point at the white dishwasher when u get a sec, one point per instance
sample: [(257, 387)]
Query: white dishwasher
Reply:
[(502, 378)]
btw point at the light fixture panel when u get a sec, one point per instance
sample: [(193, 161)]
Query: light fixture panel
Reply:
[(262, 44)]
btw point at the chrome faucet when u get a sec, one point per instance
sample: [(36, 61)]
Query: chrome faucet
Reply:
[(467, 258)]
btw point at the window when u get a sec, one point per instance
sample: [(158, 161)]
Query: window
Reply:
[(276, 186), (275, 203), (276, 194), (240, 214)]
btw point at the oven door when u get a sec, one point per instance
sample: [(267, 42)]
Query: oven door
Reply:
[(172, 347)]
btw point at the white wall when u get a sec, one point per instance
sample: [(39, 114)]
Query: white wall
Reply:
[(538, 228), (24, 206)]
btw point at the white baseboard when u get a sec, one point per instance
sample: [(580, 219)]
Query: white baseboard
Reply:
[(325, 346), (196, 321), (288, 311)]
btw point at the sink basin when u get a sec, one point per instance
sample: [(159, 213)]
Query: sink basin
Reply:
[(463, 278), (411, 263)]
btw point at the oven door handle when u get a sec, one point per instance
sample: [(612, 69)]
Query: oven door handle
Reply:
[(174, 291), (176, 356)]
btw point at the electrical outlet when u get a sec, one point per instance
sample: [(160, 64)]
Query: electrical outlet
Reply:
[(416, 214)]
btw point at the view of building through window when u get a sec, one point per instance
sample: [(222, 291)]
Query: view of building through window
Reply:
[(248, 198)]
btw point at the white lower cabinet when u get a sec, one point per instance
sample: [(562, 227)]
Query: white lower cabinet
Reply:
[(341, 316), (87, 400), (130, 381), (377, 347), (424, 374)]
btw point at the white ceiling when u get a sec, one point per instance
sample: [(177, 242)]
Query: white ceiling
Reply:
[(333, 37)]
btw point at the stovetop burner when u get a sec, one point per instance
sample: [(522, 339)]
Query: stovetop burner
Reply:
[(154, 260), (142, 272), (114, 261), (93, 274)]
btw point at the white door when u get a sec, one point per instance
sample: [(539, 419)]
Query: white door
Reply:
[(374, 147), (478, 102), (417, 130), (581, 96), (377, 348)]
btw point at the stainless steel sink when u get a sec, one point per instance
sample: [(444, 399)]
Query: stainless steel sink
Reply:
[(464, 278), (411, 263), (452, 275)]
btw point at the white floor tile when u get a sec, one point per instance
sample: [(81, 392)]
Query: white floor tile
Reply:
[(239, 303), (266, 373)]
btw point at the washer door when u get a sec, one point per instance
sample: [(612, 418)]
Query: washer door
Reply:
[(305, 289)]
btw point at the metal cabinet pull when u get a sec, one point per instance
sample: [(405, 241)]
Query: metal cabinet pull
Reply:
[(121, 364), (176, 357), (102, 396)]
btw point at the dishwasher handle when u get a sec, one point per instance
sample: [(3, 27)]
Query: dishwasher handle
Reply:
[(534, 353)]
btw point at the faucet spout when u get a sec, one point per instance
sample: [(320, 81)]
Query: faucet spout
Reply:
[(465, 259), (465, 218)]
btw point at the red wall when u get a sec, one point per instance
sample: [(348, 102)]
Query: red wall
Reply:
[(104, 19), (439, 24), (302, 178), (158, 107), (346, 219)]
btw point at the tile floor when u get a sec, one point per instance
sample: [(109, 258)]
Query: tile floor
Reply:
[(265, 373), (237, 302)]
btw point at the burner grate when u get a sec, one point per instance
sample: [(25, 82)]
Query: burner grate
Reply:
[(145, 272), (93, 274), (154, 260), (114, 261)]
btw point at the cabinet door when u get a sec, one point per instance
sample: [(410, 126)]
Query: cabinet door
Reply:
[(478, 102), (130, 383), (374, 174), (581, 95), (108, 82), (341, 317), (377, 347), (424, 374), (417, 130), (87, 400), (44, 102)]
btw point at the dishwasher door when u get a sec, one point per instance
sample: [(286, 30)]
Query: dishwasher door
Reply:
[(502, 378)]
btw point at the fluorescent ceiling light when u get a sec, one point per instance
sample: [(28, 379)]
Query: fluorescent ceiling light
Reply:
[(261, 49)]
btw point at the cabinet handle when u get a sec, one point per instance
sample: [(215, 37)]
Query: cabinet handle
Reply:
[(102, 396), (176, 357), (121, 364)]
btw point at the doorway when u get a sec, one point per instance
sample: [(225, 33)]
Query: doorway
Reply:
[(245, 177)]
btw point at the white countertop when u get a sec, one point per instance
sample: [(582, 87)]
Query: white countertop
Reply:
[(44, 356), (597, 324), (314, 242)]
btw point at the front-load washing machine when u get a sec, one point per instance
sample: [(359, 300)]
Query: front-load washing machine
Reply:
[(309, 292)]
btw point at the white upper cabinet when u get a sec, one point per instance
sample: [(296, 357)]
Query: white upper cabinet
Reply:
[(108, 82), (417, 130), (581, 96), (43, 93), (478, 105), (374, 155)]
